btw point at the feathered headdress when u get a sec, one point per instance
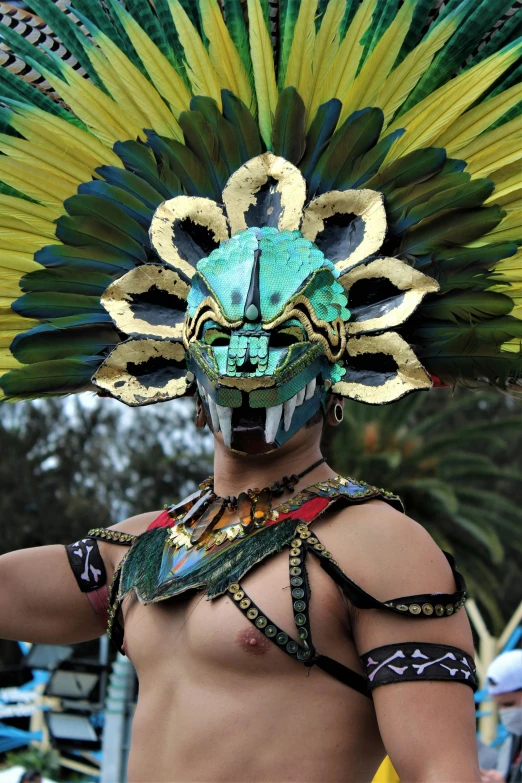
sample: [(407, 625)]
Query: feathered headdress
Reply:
[(273, 199)]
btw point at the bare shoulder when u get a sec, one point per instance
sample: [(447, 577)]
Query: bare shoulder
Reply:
[(385, 551), (136, 525)]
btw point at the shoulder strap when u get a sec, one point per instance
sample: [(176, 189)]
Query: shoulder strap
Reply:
[(112, 536)]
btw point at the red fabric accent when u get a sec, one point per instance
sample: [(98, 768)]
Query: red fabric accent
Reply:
[(307, 513), (162, 521), (100, 603)]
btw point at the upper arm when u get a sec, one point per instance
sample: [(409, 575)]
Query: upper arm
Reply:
[(428, 727), (40, 600)]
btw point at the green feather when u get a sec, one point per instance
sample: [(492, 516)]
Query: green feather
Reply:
[(417, 28), (46, 342), (63, 376), (14, 87), (68, 280), (288, 13), (402, 199), (319, 134), (414, 167), (448, 60), (507, 33), (223, 131), (83, 231), (133, 207), (350, 11), (369, 164), (95, 19), (134, 184), (288, 129), (55, 305), (243, 125), (358, 134), (235, 22), (24, 50), (457, 258), (111, 214), (472, 194), (384, 15), (464, 337), (512, 76), (190, 172), (465, 306), (454, 228), (96, 259), (203, 142), (67, 31), (140, 159)]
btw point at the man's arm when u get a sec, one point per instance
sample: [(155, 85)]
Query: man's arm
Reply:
[(428, 727), (40, 600)]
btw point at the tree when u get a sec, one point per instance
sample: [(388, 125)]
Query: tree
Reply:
[(455, 461)]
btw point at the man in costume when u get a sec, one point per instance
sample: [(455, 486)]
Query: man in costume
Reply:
[(271, 206)]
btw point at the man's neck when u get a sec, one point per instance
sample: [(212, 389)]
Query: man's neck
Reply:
[(235, 473)]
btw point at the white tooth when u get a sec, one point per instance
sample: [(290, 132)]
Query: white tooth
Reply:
[(213, 414), (300, 396), (273, 417), (288, 412), (310, 389), (225, 422), (202, 392)]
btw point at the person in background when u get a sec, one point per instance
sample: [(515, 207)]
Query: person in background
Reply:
[(505, 686)]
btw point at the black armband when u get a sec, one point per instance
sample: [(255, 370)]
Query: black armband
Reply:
[(87, 564), (415, 661)]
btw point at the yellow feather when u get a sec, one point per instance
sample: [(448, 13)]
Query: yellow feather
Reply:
[(7, 360), (164, 77), (263, 67), (21, 262), (431, 116), (9, 221), (325, 49), (403, 79), (505, 188), (299, 68), (18, 236), (11, 321), (508, 230), (41, 226), (497, 155), (49, 130), (42, 186), (223, 53), (480, 144), (201, 72), (94, 107), (378, 65), (477, 120), (141, 94), (32, 154), (9, 285), (6, 338), (342, 72)]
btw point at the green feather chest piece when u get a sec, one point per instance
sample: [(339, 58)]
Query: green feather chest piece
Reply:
[(162, 563)]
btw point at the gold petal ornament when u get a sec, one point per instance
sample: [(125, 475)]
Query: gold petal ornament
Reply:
[(251, 199), (186, 229), (347, 226), (376, 385), (148, 301), (389, 312), (142, 372)]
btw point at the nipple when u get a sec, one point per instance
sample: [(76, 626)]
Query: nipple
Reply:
[(253, 641)]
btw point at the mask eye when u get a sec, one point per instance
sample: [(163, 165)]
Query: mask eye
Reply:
[(216, 337), (288, 335)]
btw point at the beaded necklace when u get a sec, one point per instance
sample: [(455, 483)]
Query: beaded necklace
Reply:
[(204, 509)]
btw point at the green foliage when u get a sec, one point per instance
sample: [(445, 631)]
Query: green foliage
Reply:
[(455, 461), (46, 762), (75, 465)]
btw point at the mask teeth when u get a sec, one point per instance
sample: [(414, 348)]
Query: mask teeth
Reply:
[(310, 389), (225, 423), (288, 412), (273, 417), (300, 396), (214, 414)]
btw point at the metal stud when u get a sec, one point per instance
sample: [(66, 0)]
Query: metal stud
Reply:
[(270, 631), (296, 542), (298, 592), (402, 607), (292, 647), (295, 572), (303, 633), (282, 638), (415, 609), (299, 606), (245, 603), (303, 655), (312, 540), (233, 588), (439, 610), (319, 547), (295, 561), (261, 621), (300, 619), (295, 552), (449, 609), (252, 613), (427, 609), (239, 595), (296, 581)]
